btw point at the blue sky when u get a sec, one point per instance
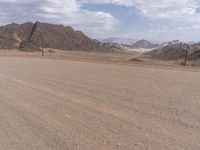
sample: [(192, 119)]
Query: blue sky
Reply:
[(157, 20)]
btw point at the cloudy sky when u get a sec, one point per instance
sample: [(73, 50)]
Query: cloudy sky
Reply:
[(158, 20)]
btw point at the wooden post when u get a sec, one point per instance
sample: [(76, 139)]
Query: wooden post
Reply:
[(42, 47), (42, 39), (186, 55)]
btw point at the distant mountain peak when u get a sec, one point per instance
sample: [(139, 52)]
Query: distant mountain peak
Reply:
[(143, 44), (118, 40)]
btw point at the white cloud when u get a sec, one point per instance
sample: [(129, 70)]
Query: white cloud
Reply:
[(68, 12), (126, 3), (168, 16), (156, 9), (172, 18)]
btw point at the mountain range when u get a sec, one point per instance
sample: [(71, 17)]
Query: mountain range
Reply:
[(131, 43), (30, 36), (117, 40)]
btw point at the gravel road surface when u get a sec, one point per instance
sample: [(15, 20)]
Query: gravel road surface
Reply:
[(67, 105)]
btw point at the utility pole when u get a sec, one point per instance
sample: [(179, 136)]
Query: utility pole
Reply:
[(186, 54), (42, 43)]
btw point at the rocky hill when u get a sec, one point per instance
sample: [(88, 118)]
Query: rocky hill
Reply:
[(30, 36), (175, 50), (143, 44)]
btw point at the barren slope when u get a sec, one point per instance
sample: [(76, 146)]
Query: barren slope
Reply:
[(54, 104), (30, 37)]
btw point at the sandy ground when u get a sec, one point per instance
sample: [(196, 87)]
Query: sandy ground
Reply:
[(141, 49), (57, 104), (74, 55), (126, 58)]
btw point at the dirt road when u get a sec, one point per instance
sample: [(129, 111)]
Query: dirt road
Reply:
[(55, 104)]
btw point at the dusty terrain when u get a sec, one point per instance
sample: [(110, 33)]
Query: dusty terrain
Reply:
[(58, 104), (128, 58)]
